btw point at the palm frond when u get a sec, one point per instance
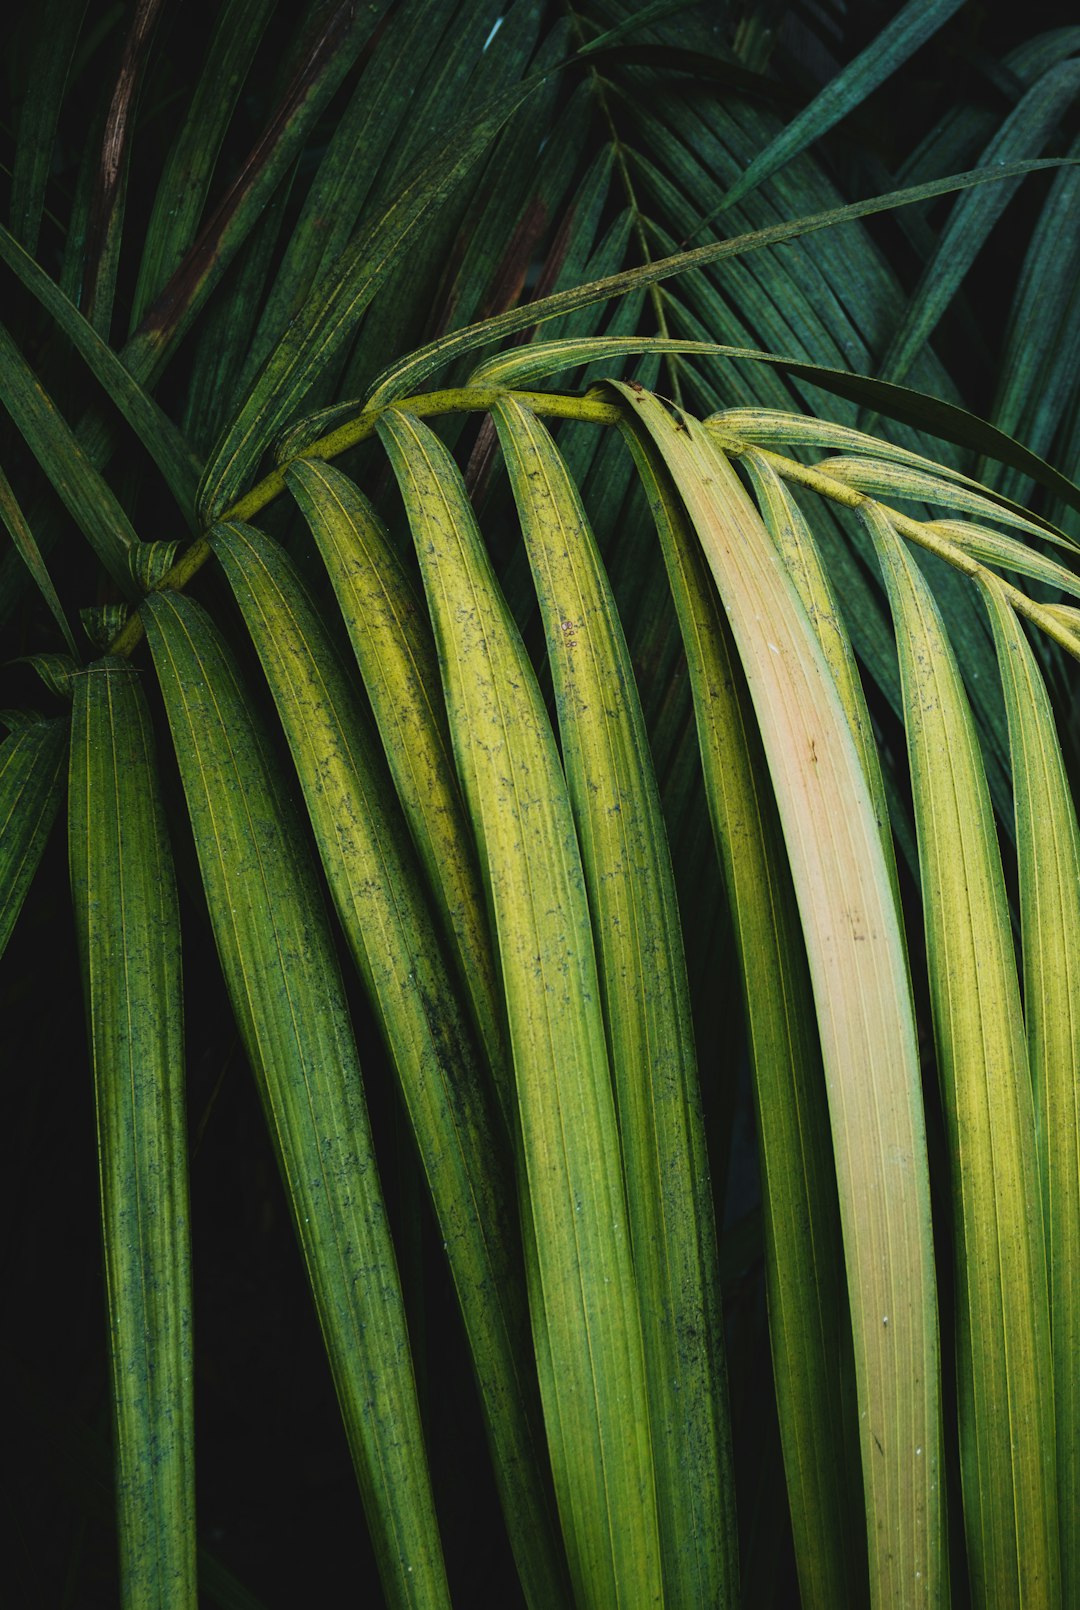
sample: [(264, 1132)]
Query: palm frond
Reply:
[(687, 750)]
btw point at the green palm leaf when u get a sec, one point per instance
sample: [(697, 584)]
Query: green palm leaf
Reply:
[(128, 924), (1049, 871), (643, 982), (283, 980), (808, 1321), (865, 1020), (1003, 1330), (214, 240), (383, 911), (584, 1294), (31, 788)]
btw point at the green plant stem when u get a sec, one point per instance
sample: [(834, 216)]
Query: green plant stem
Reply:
[(552, 405)]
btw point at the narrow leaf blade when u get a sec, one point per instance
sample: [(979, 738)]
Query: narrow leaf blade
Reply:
[(31, 788), (864, 1012), (1048, 847), (281, 971), (128, 926), (1003, 1334), (383, 911), (587, 1328), (631, 889), (808, 1321)]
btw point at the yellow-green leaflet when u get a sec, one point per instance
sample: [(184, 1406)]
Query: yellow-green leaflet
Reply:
[(128, 928), (1048, 850), (280, 967), (797, 548), (879, 477), (995, 548), (584, 1293), (31, 788), (771, 427), (1004, 1375), (380, 901), (392, 641), (808, 1320), (631, 891), (864, 1014)]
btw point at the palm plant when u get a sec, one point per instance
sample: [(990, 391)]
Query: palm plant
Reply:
[(489, 716)]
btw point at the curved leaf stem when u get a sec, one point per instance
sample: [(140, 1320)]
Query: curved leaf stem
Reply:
[(350, 434)]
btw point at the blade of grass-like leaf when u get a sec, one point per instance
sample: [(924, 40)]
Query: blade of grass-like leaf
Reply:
[(798, 550), (282, 975), (104, 226), (330, 314), (995, 548), (1048, 845), (128, 926), (631, 892), (148, 420), (81, 1460), (808, 1320), (81, 489), (395, 652), (769, 427), (410, 371), (54, 43), (382, 907), (31, 788), (1005, 1379), (584, 1293), (189, 168), (23, 538), (1025, 130), (899, 481), (1043, 298), (864, 1013), (911, 27), (367, 130), (326, 52)]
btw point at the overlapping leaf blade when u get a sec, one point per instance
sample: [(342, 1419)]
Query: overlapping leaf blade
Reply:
[(128, 928), (84, 493), (23, 538), (631, 893), (189, 167), (150, 423), (1048, 847), (1003, 1335), (584, 1295), (395, 652), (50, 61), (31, 788), (409, 372), (330, 315), (1025, 131), (864, 1013), (382, 907), (281, 971), (808, 1320), (912, 25)]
